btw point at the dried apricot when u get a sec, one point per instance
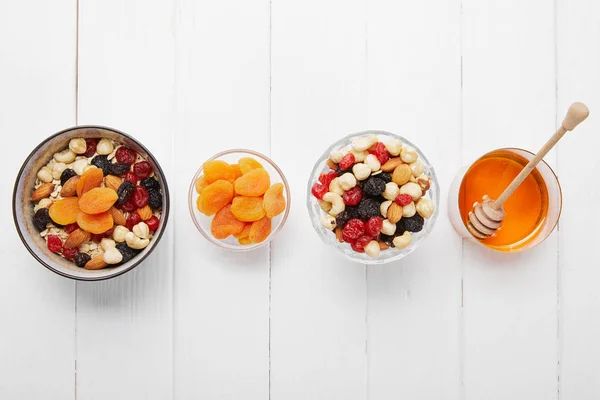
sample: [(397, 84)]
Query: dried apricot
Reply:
[(248, 209), (274, 202), (260, 230), (224, 224), (247, 164), (90, 179), (253, 183), (200, 184), (65, 211), (214, 197), (237, 172), (97, 200), (245, 232), (95, 223), (215, 170)]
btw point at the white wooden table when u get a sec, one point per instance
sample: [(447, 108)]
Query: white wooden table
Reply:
[(296, 321)]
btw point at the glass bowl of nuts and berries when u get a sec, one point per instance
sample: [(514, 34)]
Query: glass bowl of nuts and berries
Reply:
[(239, 200), (373, 196), (90, 203)]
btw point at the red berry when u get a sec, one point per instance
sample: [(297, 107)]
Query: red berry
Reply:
[(380, 152), (139, 197), (125, 155), (152, 223), (130, 177), (55, 244), (90, 148), (71, 227), (347, 161), (108, 233), (97, 237), (404, 199), (326, 178), (133, 219), (354, 229), (129, 206), (374, 225), (70, 253), (361, 242), (318, 190), (142, 170), (353, 196)]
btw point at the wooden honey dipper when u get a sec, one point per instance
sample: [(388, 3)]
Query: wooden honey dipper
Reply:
[(486, 217)]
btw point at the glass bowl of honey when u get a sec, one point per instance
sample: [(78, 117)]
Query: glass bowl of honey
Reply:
[(532, 212)]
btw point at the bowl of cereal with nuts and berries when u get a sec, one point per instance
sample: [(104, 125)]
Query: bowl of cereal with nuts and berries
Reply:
[(90, 203), (373, 196)]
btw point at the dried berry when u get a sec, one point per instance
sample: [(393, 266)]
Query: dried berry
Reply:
[(66, 175), (90, 149), (127, 252), (368, 208), (384, 176), (404, 199), (342, 218), (124, 192), (152, 223), (132, 220), (353, 196), (41, 219), (69, 253), (97, 237), (71, 227), (318, 190), (130, 177), (373, 186), (142, 170), (414, 223), (326, 178), (347, 162), (117, 169), (150, 184), (139, 198), (373, 226), (360, 243), (125, 155), (380, 152), (354, 229), (389, 240), (400, 227), (81, 259), (155, 199), (128, 206), (103, 163), (55, 244)]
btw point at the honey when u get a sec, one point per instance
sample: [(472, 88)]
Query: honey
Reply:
[(525, 210)]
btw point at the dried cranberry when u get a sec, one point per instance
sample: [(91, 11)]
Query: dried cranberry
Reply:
[(128, 206), (133, 219), (90, 148), (70, 253), (139, 197), (108, 233), (318, 190), (360, 243), (55, 244), (97, 237), (326, 178), (130, 177), (71, 227), (374, 225), (152, 223), (380, 152), (404, 199), (354, 229), (353, 196), (347, 162), (125, 155), (142, 170)]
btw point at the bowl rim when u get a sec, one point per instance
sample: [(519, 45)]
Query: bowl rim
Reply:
[(434, 184), (219, 243), (165, 209)]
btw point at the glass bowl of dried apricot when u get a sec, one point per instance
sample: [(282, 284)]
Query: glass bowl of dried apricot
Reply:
[(239, 200), (90, 203)]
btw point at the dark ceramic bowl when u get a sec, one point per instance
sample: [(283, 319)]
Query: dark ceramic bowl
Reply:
[(23, 209)]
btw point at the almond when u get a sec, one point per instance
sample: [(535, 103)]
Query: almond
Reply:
[(42, 192), (338, 234), (145, 212), (113, 182), (383, 246), (394, 213), (69, 189), (331, 164), (391, 164), (77, 238), (118, 216), (402, 174), (96, 262)]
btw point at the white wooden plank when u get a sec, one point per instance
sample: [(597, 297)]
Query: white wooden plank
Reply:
[(221, 298), (126, 80), (414, 305), (37, 99), (318, 308), (510, 303), (578, 168)]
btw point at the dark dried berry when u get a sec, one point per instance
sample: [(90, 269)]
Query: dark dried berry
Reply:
[(103, 163), (400, 227), (150, 184), (41, 219), (81, 259), (414, 223), (66, 175), (342, 218), (368, 208), (127, 252), (155, 199), (389, 240), (373, 186), (124, 192), (117, 169), (384, 176)]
